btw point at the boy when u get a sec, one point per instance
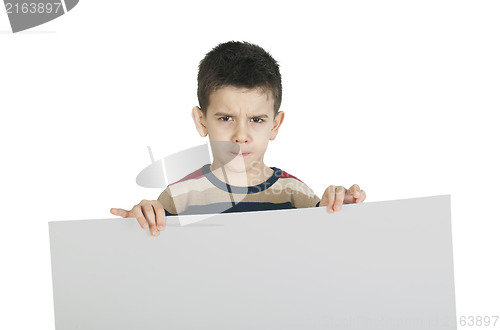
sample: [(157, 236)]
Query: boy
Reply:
[(239, 92)]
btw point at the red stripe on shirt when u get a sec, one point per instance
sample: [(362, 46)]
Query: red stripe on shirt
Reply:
[(195, 175), (285, 175)]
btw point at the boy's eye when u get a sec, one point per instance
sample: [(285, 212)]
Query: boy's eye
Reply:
[(224, 118), (259, 120)]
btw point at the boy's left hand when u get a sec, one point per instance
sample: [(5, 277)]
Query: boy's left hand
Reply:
[(335, 196)]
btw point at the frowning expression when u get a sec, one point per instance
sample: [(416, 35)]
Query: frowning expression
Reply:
[(240, 123)]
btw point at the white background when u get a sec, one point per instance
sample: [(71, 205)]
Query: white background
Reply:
[(396, 96)]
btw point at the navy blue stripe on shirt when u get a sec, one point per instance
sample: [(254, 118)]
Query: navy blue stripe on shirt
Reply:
[(217, 208)]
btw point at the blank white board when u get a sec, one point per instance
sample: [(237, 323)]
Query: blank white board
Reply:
[(377, 265)]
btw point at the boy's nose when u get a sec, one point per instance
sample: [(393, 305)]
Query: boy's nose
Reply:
[(241, 134)]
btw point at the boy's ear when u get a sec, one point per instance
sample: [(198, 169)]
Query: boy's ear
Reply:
[(276, 124), (199, 121)]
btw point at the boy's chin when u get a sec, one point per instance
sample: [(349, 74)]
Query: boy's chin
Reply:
[(236, 166)]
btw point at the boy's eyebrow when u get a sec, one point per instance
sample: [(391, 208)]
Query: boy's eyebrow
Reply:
[(228, 114)]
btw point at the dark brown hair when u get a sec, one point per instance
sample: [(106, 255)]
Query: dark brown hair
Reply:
[(238, 64)]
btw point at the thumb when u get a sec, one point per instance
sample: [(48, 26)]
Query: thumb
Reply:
[(121, 212)]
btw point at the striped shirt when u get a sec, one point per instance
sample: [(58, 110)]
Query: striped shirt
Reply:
[(201, 192)]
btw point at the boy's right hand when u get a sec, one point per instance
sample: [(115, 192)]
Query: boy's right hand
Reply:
[(148, 213)]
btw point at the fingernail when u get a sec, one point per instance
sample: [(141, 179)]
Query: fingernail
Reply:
[(337, 208), (154, 232), (160, 227), (144, 225)]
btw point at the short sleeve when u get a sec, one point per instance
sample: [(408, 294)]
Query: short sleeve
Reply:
[(304, 197), (167, 201)]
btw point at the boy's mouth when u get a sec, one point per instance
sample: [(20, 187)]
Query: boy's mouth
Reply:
[(236, 154)]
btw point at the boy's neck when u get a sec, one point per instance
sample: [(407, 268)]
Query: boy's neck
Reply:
[(252, 177)]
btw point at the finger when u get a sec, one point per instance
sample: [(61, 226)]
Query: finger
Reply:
[(339, 197), (362, 197), (150, 215), (121, 213), (137, 211), (352, 194), (327, 199), (355, 191), (160, 214), (330, 193)]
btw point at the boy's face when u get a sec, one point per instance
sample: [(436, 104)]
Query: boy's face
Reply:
[(239, 122)]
